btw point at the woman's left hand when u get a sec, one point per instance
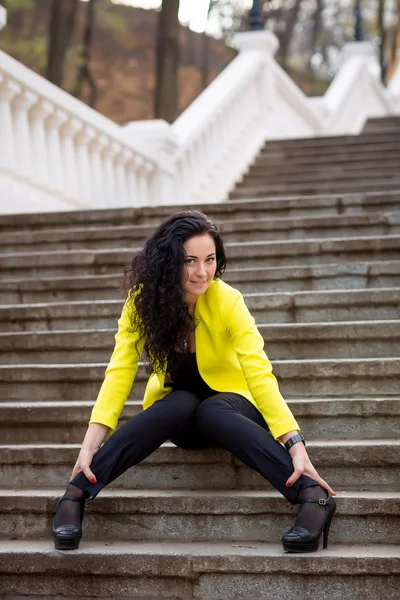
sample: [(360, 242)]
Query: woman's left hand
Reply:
[(303, 466)]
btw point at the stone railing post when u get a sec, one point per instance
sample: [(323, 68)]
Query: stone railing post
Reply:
[(3, 17), (109, 154), (39, 114), (22, 105), (158, 138), (8, 90), (85, 185), (68, 133), (97, 147), (267, 43), (55, 122)]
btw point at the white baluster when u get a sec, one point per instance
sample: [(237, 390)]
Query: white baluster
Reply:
[(68, 132), (56, 168), (99, 195), (8, 151), (109, 173), (121, 177), (85, 183), (142, 174), (147, 171), (21, 107), (39, 114), (133, 182)]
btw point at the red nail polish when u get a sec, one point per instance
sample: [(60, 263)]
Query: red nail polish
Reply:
[(93, 480), (288, 484)]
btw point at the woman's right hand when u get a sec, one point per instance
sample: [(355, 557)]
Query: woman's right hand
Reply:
[(83, 463), (95, 435)]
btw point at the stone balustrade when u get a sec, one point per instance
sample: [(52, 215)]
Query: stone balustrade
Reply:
[(56, 153), (59, 154)]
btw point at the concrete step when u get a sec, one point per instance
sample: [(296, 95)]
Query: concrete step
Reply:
[(311, 251), (198, 570), (379, 124), (273, 307), (199, 516), (353, 276), (327, 418), (286, 206), (326, 187), (348, 158), (297, 378), (354, 153), (334, 142), (245, 230), (283, 341), (362, 465), (318, 175)]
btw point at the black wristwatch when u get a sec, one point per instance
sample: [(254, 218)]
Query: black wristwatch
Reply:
[(293, 440)]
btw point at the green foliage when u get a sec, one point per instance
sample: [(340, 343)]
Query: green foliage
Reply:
[(111, 17), (14, 6), (32, 52)]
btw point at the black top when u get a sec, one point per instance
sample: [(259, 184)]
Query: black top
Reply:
[(187, 377)]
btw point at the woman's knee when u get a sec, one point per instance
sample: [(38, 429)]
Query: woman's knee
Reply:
[(209, 412)]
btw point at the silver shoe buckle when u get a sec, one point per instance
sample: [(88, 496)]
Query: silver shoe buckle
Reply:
[(322, 501)]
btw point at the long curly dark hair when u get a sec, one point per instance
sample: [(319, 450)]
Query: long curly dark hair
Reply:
[(155, 300)]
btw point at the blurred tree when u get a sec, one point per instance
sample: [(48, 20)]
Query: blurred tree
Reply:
[(382, 38), (204, 58), (62, 24), (167, 62), (289, 22), (84, 73), (316, 20)]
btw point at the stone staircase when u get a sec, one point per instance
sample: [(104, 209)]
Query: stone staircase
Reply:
[(321, 274)]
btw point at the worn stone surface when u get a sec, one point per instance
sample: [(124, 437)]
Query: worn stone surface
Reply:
[(329, 418), (353, 275), (196, 570), (315, 377), (284, 341), (243, 230), (244, 254), (296, 205), (346, 464), (184, 515)]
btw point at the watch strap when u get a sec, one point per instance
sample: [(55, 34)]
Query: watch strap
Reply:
[(294, 440)]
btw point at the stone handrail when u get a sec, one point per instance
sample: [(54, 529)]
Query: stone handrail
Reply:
[(224, 128), (60, 153), (356, 93)]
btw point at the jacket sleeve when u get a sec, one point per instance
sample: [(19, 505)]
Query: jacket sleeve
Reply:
[(248, 344), (119, 375)]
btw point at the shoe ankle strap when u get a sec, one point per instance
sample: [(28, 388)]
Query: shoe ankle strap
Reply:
[(322, 501)]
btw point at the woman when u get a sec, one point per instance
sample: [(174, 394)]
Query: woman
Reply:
[(211, 384)]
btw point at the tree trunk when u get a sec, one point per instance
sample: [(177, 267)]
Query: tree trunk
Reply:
[(84, 73), (316, 28), (286, 38), (62, 23), (204, 66), (382, 36), (167, 62)]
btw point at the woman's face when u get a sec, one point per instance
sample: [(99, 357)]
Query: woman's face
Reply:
[(200, 266)]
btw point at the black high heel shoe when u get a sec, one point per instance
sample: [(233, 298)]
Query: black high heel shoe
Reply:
[(68, 537), (299, 539)]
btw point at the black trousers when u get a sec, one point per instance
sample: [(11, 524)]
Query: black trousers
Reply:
[(225, 420)]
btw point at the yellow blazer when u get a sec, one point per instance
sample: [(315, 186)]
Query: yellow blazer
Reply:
[(230, 358)]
